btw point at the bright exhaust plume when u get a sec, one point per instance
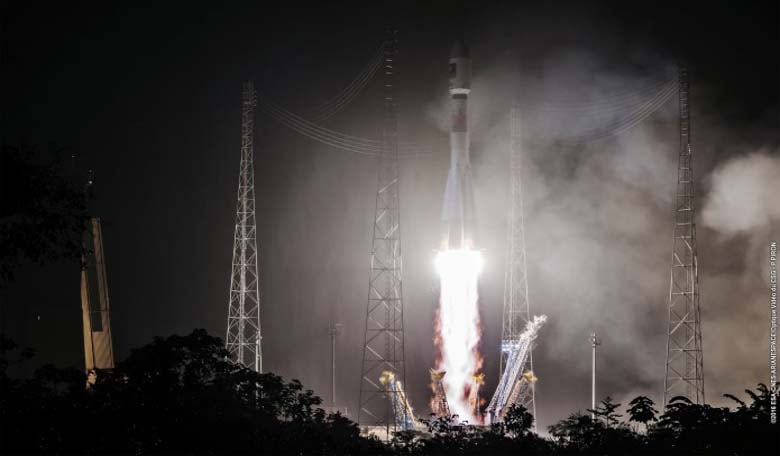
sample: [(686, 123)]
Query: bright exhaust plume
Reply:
[(458, 327)]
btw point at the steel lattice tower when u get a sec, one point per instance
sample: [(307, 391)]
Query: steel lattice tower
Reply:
[(516, 305), (243, 324), (684, 363), (384, 335), (439, 406)]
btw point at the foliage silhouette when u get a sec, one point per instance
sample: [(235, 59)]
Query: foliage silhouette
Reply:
[(42, 213), (180, 395), (518, 421), (606, 411), (641, 410), (176, 395)]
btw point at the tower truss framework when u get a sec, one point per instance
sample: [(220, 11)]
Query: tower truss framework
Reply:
[(439, 405), (516, 312), (384, 328), (243, 324), (684, 360)]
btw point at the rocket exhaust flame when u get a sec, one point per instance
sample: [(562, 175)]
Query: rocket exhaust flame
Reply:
[(458, 329), (457, 324)]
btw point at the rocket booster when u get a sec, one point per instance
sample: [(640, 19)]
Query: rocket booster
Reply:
[(458, 211)]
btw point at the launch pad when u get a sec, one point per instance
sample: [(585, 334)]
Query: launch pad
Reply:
[(458, 367)]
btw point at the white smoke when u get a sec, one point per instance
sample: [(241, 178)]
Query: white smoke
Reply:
[(744, 194)]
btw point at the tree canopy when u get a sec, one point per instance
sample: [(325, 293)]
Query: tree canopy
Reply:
[(180, 394), (42, 211)]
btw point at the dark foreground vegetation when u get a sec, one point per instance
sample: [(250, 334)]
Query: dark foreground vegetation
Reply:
[(180, 395)]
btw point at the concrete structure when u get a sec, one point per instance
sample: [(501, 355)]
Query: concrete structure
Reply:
[(98, 346)]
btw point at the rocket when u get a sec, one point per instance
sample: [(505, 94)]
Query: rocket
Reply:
[(458, 210)]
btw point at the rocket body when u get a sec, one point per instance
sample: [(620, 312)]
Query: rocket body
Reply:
[(458, 210)]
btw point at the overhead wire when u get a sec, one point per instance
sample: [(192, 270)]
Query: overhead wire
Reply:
[(630, 107), (338, 102), (624, 123), (333, 138), (602, 104), (611, 98)]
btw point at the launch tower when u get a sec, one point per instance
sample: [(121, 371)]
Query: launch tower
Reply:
[(383, 349), (684, 362), (243, 323), (516, 313)]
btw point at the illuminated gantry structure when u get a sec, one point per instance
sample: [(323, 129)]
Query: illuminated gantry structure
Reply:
[(383, 349), (403, 415), (243, 322), (684, 360), (516, 313), (475, 396), (439, 406), (514, 379)]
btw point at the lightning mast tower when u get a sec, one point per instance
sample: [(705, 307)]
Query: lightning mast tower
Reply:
[(384, 331), (516, 306), (243, 324), (684, 362), (594, 343)]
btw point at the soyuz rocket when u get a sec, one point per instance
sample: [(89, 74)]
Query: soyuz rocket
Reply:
[(458, 211)]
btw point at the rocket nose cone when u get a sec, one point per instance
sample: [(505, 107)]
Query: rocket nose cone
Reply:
[(459, 49)]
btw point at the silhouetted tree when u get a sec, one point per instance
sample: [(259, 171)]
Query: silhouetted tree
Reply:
[(641, 410), (180, 394), (176, 395), (688, 428), (518, 421), (606, 410), (409, 442), (581, 434), (577, 431), (42, 213)]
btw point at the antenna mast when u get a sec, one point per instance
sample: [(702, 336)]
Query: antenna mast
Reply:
[(383, 349), (516, 305), (243, 324), (684, 362)]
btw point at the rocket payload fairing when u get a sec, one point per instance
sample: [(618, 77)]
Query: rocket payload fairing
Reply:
[(458, 211)]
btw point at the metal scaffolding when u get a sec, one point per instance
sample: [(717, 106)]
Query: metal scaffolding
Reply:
[(516, 305), (402, 411), (243, 323), (439, 406), (684, 362), (514, 381), (384, 331)]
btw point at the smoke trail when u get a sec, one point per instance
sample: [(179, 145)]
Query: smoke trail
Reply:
[(458, 327), (744, 194)]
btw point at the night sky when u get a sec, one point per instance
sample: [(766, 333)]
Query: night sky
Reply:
[(148, 97)]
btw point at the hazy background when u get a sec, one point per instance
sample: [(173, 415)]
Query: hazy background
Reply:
[(148, 97)]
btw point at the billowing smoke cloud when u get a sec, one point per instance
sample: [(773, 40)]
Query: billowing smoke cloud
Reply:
[(744, 194), (599, 220)]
